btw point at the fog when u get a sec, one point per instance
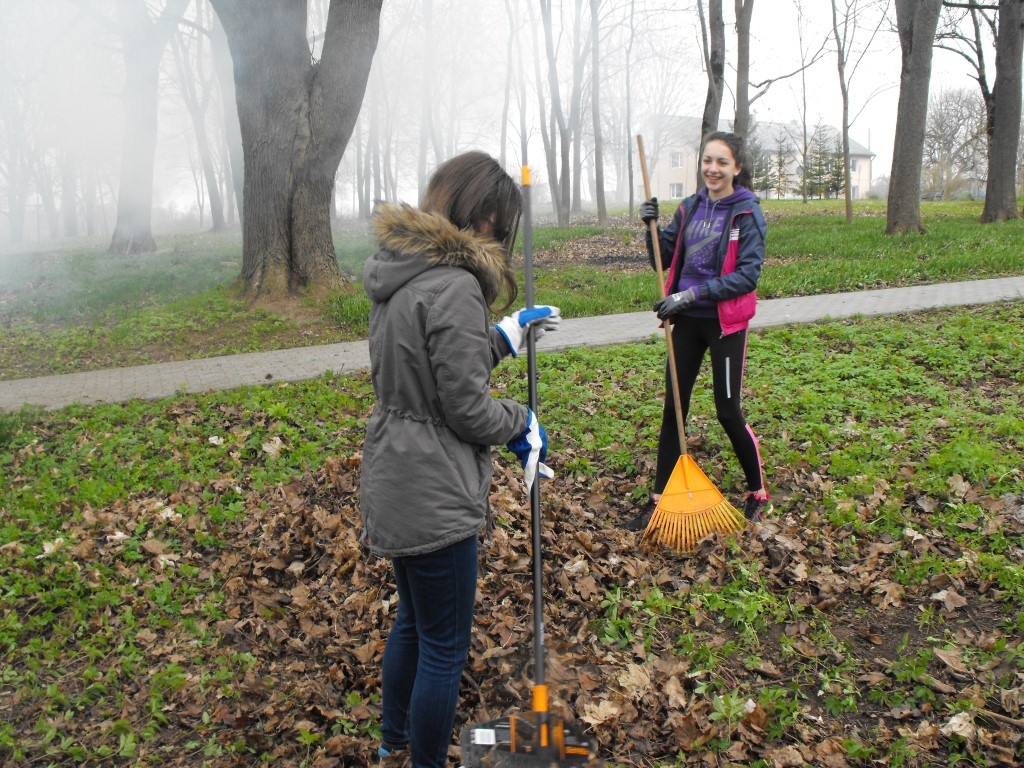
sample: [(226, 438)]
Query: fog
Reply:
[(63, 98)]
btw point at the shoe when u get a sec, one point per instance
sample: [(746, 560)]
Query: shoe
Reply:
[(757, 505), (640, 522), (392, 757)]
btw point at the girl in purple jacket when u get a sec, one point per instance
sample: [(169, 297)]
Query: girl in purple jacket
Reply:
[(713, 251)]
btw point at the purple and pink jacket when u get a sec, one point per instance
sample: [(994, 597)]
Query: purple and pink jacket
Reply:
[(738, 257)]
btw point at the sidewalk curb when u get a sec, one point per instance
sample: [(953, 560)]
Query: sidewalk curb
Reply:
[(218, 373)]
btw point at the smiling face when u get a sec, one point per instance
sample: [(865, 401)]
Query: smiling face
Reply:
[(718, 167)]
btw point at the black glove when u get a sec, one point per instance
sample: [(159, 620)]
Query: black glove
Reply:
[(676, 303), (649, 210)]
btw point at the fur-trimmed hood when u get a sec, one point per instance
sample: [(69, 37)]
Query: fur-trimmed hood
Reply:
[(412, 241)]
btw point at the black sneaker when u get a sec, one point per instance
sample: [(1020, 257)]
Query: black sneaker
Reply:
[(640, 522), (756, 506)]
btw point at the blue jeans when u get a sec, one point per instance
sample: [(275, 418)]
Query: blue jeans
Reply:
[(427, 649)]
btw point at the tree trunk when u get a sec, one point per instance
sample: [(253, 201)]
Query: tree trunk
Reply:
[(296, 118), (916, 21), (195, 87), (579, 57), (426, 98), (1004, 124), (714, 61), (69, 197), (143, 42), (232, 132), (595, 95), (844, 89), (744, 12), (561, 189), (629, 107)]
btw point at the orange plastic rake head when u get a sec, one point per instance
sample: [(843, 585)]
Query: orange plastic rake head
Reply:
[(690, 508)]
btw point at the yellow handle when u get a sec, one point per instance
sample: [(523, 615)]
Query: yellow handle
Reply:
[(674, 374)]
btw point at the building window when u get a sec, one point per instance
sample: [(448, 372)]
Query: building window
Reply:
[(677, 159), (675, 190), (853, 165)]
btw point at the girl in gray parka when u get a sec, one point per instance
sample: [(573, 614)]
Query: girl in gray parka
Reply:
[(426, 469)]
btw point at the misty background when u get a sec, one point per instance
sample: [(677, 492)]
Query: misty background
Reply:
[(63, 95)]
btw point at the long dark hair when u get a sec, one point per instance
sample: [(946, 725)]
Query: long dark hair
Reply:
[(738, 147), (470, 188)]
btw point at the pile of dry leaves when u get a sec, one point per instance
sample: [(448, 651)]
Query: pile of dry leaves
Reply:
[(310, 611)]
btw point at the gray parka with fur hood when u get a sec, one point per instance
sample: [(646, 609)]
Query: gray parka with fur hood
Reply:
[(426, 470)]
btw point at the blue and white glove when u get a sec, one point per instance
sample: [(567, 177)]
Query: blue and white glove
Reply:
[(514, 328), (532, 448)]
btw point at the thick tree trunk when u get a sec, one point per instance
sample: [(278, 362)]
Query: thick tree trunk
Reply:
[(1004, 122), (296, 118), (916, 21)]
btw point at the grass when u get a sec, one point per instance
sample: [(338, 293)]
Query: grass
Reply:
[(181, 584), (75, 309)]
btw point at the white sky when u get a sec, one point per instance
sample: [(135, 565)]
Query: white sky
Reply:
[(775, 51)]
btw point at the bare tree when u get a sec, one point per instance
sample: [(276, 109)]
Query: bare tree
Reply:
[(916, 22), (235, 179), (559, 162), (629, 104), (999, 25), (744, 14), (296, 115), (713, 44), (844, 33), (954, 145), (143, 40), (195, 84), (595, 97), (428, 136), (1004, 115)]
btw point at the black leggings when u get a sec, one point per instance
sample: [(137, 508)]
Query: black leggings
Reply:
[(691, 338)]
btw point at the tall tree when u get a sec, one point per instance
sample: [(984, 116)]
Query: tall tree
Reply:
[(195, 83), (595, 95), (296, 116), (954, 145), (744, 13), (848, 59), (229, 114), (143, 40), (1004, 115), (916, 22), (713, 42), (744, 100), (969, 28), (560, 161)]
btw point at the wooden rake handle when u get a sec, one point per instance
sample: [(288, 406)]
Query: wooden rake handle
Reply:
[(673, 373)]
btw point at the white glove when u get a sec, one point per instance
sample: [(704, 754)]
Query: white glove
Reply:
[(532, 448), (542, 318)]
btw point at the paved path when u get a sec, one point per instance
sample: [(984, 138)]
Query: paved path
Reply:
[(217, 373)]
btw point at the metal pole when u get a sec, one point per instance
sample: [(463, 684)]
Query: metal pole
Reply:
[(531, 367)]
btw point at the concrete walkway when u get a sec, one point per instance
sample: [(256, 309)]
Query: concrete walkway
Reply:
[(218, 373)]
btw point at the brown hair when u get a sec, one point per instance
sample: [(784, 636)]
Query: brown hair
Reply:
[(738, 147), (470, 188)]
